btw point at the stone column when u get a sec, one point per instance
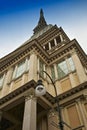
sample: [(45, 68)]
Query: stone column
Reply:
[(49, 46), (82, 113), (24, 77), (9, 75), (79, 68), (55, 41), (72, 80), (29, 119), (14, 73), (52, 120), (61, 38)]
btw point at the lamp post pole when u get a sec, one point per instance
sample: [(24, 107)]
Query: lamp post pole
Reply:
[(40, 90), (57, 102)]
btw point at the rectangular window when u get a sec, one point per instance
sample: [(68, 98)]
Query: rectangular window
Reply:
[(1, 81), (62, 69), (20, 68), (71, 63)]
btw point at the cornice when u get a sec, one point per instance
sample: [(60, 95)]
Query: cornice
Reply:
[(73, 91), (61, 29), (50, 98), (34, 44), (69, 96), (22, 89), (21, 52), (48, 35), (68, 47), (52, 33)]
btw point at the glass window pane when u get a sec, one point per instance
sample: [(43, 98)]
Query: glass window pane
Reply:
[(71, 63), (62, 69), (20, 69)]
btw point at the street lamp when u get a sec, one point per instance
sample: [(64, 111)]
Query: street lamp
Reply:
[(40, 90)]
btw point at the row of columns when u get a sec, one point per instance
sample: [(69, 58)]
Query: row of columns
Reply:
[(55, 42), (30, 115)]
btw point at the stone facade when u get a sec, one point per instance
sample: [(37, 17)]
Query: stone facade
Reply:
[(50, 50)]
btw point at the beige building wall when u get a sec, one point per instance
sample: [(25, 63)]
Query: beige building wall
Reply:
[(71, 80)]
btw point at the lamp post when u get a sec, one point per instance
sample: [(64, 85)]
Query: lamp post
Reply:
[(40, 90)]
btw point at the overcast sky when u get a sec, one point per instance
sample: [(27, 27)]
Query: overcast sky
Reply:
[(19, 17)]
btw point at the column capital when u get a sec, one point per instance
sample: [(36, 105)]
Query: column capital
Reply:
[(33, 51), (52, 112), (81, 99), (78, 100), (30, 96), (85, 95)]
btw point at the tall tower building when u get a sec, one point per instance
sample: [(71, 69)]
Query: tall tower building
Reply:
[(50, 50)]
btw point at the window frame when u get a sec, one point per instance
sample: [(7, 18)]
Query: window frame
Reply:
[(68, 65), (16, 68)]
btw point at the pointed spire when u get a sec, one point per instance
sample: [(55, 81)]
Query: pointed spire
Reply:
[(41, 23), (41, 13)]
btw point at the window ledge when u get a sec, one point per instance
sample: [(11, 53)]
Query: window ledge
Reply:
[(58, 79), (17, 78)]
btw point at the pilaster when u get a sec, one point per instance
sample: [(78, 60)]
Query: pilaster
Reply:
[(83, 116), (52, 120), (79, 68), (55, 41), (72, 80), (33, 66), (61, 38), (49, 46)]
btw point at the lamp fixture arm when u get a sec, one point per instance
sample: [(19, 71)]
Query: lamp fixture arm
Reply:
[(51, 81), (57, 102)]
